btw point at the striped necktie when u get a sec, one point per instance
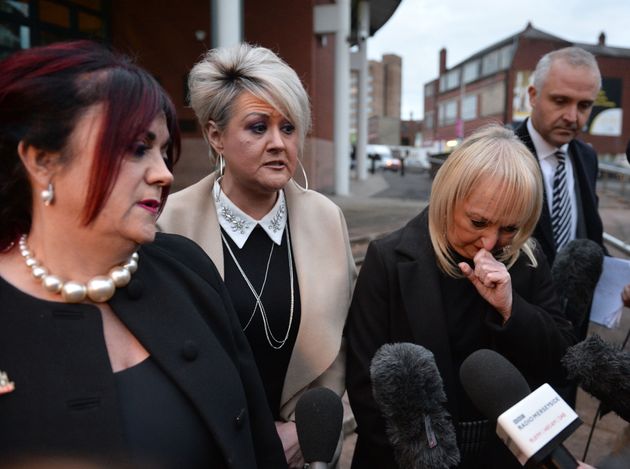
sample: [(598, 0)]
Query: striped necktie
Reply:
[(561, 203)]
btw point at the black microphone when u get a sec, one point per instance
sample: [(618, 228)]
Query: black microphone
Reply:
[(575, 272), (318, 420), (407, 387), (531, 424), (602, 370)]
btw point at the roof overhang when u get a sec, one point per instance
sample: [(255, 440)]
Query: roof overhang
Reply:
[(380, 12)]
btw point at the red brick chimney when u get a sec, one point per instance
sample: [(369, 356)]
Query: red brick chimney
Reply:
[(442, 60), (602, 39)]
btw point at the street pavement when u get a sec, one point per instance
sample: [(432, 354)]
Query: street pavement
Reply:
[(386, 201)]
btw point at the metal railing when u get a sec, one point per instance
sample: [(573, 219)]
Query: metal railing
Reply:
[(620, 174)]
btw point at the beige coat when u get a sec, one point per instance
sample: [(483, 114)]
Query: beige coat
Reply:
[(325, 272)]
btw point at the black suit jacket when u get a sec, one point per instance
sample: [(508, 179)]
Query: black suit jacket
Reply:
[(397, 298), (584, 160), (177, 306)]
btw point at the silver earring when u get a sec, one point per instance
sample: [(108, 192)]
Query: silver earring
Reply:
[(221, 164), (48, 195), (303, 174)]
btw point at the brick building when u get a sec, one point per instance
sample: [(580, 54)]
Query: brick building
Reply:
[(167, 37), (491, 86), (384, 100)]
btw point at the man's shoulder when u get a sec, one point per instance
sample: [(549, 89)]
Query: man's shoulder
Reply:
[(582, 148)]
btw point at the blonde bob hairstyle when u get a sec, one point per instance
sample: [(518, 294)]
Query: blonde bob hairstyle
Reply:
[(218, 79), (493, 156)]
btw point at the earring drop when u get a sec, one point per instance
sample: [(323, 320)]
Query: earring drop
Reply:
[(48, 195)]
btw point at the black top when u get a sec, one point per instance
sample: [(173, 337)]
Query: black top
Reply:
[(400, 297), (465, 312), (160, 426), (276, 298), (176, 305)]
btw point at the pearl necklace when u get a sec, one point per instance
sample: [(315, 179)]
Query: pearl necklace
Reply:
[(274, 343), (98, 289)]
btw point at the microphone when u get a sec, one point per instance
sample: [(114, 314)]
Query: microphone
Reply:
[(407, 387), (532, 425), (602, 370), (318, 420), (575, 272)]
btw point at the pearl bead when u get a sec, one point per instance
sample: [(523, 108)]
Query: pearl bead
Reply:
[(131, 265), (73, 292), (120, 275), (52, 283), (100, 289), (39, 272)]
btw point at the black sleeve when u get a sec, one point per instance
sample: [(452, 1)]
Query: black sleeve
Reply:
[(537, 334), (366, 330), (267, 444)]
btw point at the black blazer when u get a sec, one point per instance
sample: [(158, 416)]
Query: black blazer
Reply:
[(397, 298), (585, 169), (177, 306)]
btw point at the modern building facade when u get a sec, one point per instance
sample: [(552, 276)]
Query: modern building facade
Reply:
[(491, 86), (384, 100)]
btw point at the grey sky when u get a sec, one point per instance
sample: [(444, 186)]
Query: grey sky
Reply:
[(420, 28)]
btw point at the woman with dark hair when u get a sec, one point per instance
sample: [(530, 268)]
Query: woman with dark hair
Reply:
[(114, 342)]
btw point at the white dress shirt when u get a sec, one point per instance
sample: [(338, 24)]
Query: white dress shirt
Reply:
[(548, 162)]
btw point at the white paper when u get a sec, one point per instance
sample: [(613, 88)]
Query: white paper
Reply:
[(607, 305)]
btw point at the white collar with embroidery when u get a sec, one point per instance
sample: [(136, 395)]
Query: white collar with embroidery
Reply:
[(239, 225)]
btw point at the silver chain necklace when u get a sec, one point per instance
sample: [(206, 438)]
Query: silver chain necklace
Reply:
[(274, 343)]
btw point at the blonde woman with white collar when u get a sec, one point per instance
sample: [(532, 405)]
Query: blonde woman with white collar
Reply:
[(282, 250)]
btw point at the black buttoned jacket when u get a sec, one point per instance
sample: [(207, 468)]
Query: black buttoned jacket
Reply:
[(178, 308), (585, 169), (397, 298)]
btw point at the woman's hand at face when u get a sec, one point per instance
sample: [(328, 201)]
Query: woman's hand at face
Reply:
[(290, 444), (492, 280)]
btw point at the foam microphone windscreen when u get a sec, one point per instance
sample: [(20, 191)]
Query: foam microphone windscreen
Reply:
[(408, 390), (318, 419), (602, 370), (492, 382), (575, 272)]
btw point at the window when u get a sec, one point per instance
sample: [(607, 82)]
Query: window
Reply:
[(452, 79), (429, 90), (469, 107), (492, 100), (505, 58), (447, 112), (471, 71), (443, 83), (27, 23), (490, 63), (428, 120)]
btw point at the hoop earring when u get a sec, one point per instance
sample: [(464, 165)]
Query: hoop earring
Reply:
[(304, 175), (217, 194), (221, 164), (48, 195)]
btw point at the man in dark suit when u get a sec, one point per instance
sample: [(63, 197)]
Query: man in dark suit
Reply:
[(566, 83)]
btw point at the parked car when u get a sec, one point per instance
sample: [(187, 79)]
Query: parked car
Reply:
[(417, 161), (382, 157)]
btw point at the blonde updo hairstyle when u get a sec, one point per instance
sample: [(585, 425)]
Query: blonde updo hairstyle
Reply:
[(218, 79), (491, 155)]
